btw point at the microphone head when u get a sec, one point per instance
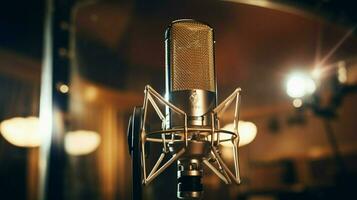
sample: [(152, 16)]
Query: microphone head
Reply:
[(190, 56), (190, 71)]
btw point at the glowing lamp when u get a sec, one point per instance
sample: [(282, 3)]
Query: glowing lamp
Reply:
[(299, 85), (22, 132), (247, 132), (81, 142)]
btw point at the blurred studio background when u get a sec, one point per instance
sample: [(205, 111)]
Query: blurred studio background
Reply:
[(71, 72)]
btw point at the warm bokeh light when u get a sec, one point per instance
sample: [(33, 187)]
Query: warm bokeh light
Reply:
[(299, 85), (342, 72), (247, 132), (90, 93), (81, 142), (22, 132), (63, 88), (317, 72), (297, 103)]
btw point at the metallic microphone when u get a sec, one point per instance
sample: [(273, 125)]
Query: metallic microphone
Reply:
[(191, 86), (190, 132)]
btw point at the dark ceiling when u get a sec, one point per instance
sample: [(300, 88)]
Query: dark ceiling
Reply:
[(21, 27), (21, 22), (256, 47), (120, 43)]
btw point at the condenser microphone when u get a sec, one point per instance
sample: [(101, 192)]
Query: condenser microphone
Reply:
[(191, 86), (190, 131)]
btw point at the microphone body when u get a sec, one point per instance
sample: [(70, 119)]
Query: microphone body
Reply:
[(191, 86)]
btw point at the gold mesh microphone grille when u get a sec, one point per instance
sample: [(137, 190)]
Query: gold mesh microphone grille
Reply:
[(191, 56)]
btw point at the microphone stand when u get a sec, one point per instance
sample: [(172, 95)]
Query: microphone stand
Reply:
[(341, 168), (327, 113), (134, 151)]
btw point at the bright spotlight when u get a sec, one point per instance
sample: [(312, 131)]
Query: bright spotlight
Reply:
[(299, 85)]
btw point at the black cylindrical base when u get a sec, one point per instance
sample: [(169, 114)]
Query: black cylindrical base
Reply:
[(189, 187)]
